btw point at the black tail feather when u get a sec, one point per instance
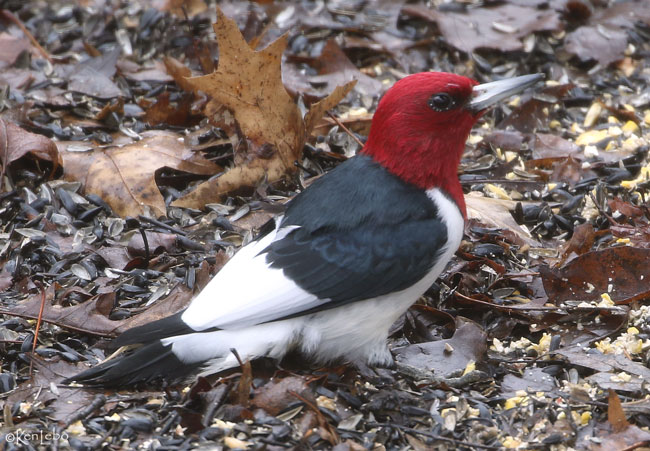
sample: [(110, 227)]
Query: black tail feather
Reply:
[(147, 363), (156, 330)]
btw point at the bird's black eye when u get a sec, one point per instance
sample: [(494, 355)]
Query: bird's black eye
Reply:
[(441, 102)]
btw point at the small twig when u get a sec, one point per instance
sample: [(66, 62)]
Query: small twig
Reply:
[(9, 15), (147, 255), (161, 225), (347, 130), (38, 326), (5, 148)]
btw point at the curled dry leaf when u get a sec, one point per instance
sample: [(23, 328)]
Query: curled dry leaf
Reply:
[(249, 83), (496, 213), (334, 68), (275, 396), (16, 142), (125, 176)]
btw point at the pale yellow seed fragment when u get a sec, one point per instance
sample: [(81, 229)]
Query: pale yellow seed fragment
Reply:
[(632, 143), (591, 137), (235, 443), (592, 114), (605, 301), (511, 443), (76, 428), (497, 191), (471, 366), (631, 127)]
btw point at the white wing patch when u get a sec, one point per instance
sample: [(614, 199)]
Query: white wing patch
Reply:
[(247, 291)]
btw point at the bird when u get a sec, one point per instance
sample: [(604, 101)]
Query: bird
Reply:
[(350, 254)]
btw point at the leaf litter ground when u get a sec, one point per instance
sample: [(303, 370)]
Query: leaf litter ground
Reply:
[(126, 185)]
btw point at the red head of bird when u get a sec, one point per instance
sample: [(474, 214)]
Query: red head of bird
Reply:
[(421, 124)]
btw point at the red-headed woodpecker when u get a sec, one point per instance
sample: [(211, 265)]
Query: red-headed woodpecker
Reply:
[(351, 253)]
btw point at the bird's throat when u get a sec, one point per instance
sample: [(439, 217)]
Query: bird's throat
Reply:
[(425, 164)]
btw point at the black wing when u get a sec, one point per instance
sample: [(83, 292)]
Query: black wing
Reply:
[(345, 249)]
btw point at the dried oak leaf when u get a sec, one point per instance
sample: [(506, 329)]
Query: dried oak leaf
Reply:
[(249, 83), (15, 143), (334, 68), (125, 176)]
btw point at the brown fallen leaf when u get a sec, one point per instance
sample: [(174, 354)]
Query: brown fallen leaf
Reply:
[(621, 272), (501, 27), (63, 403), (249, 83), (125, 176), (444, 357), (93, 76), (617, 434), (277, 395), (496, 213), (604, 363), (91, 316), (11, 47), (334, 69), (16, 142), (531, 380), (604, 39)]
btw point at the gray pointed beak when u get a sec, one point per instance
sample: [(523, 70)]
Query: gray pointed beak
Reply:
[(488, 94)]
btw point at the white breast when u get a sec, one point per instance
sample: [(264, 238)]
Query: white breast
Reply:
[(358, 331)]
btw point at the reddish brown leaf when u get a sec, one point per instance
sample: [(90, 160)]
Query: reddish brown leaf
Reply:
[(156, 241), (125, 176), (91, 317), (622, 272), (275, 396), (16, 142), (11, 47)]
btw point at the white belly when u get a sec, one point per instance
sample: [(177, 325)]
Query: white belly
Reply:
[(358, 331)]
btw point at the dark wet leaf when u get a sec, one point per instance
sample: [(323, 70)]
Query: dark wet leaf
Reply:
[(444, 357), (620, 272), (501, 27), (93, 76)]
